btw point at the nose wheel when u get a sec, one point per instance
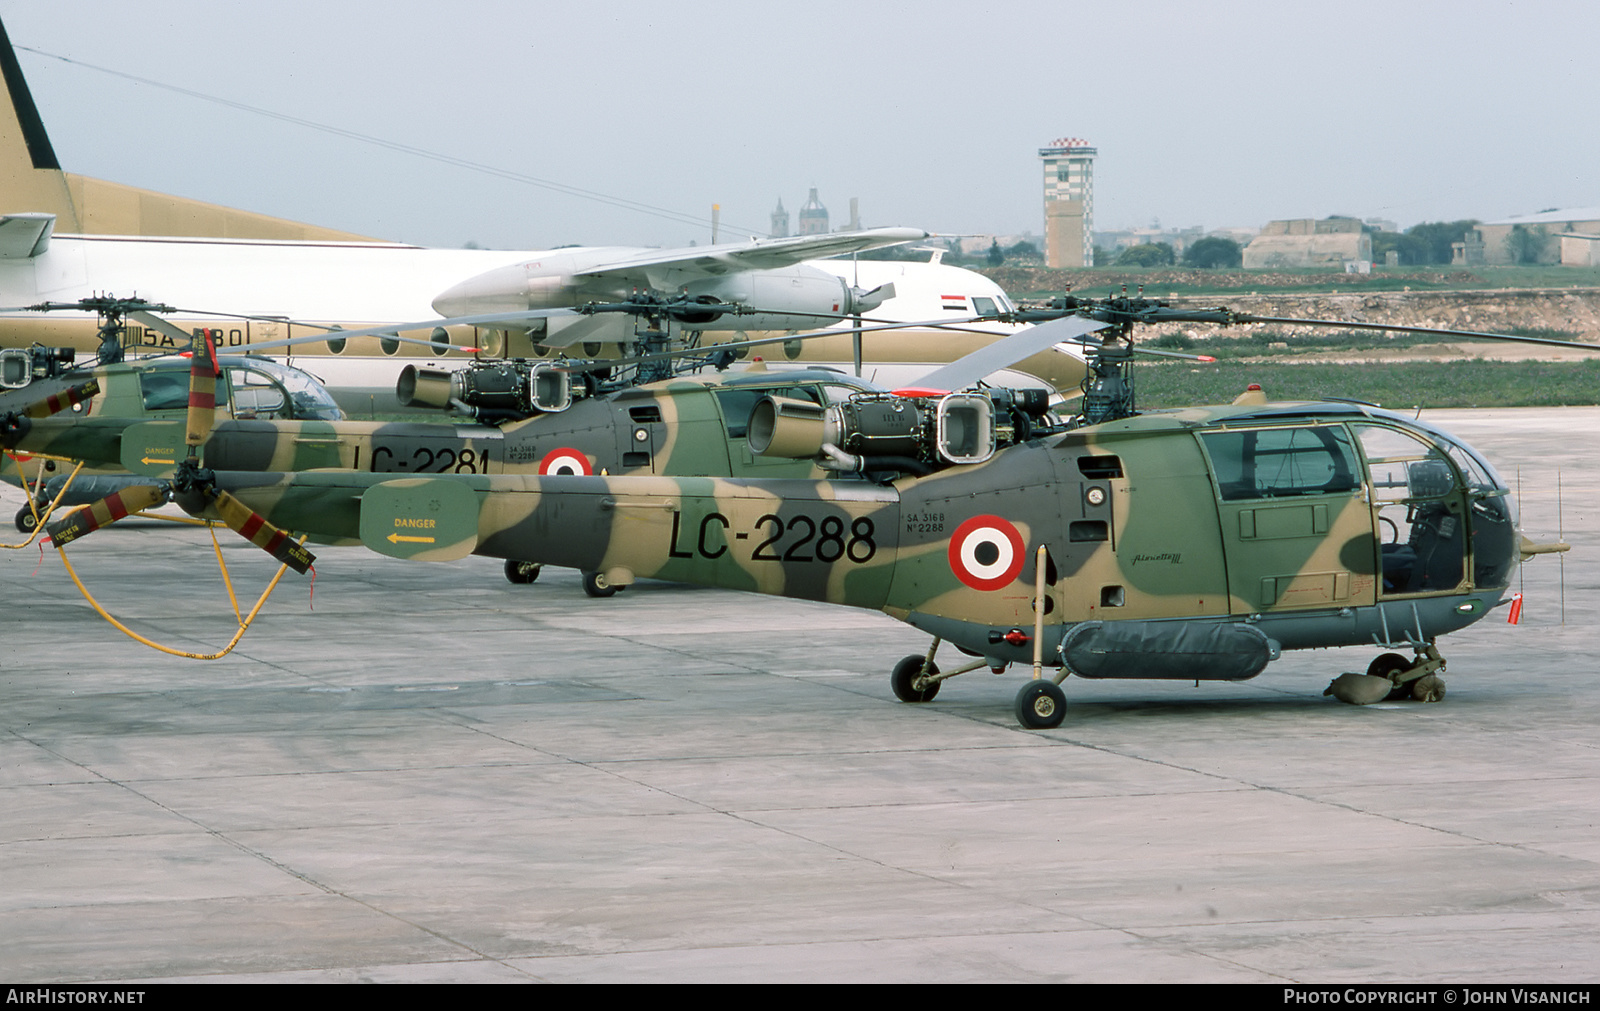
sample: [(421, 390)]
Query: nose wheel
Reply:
[(910, 682), (1416, 678), (1393, 677), (1041, 705), (27, 521)]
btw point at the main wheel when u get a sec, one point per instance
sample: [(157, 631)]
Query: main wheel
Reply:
[(27, 522), (907, 671), (522, 572), (1041, 705), (595, 584)]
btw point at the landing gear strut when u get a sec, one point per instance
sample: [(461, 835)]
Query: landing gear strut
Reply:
[(1412, 679), (1041, 704)]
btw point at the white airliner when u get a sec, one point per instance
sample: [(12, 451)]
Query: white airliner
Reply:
[(65, 237)]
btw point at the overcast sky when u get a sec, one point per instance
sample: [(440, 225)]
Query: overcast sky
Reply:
[(932, 113)]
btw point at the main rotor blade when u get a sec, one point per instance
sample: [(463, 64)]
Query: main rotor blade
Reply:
[(1185, 356), (156, 323), (392, 331), (250, 525), (952, 326), (1223, 316), (1475, 334), (105, 512), (503, 319), (1004, 353)]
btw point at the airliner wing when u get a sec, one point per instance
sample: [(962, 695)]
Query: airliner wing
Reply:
[(23, 236), (757, 254)]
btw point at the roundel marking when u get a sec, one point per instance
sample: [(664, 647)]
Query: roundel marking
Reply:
[(564, 461), (986, 552)]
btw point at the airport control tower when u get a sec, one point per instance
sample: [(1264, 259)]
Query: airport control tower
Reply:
[(1068, 202)]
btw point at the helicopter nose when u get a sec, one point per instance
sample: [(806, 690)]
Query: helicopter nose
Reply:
[(504, 289)]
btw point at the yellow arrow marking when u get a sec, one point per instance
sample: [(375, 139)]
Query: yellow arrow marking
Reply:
[(397, 538), (147, 460)]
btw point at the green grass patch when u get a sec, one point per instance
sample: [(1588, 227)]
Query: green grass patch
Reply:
[(1397, 385)]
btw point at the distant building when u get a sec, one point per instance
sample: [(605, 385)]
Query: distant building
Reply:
[(1565, 236), (780, 222), (977, 245), (1068, 202), (1243, 235), (1309, 242), (813, 216)]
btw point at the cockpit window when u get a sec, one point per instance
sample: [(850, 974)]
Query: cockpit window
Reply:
[(1279, 462), (256, 396), (1402, 467), (259, 388), (983, 306), (164, 389)]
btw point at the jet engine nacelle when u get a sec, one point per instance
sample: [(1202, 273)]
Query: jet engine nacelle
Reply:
[(550, 282), (822, 297), (877, 431), (796, 297), (21, 366), (497, 390)]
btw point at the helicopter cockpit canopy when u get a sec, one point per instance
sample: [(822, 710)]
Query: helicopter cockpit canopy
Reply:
[(257, 388)]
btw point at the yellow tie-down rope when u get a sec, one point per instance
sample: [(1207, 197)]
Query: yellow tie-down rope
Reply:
[(31, 491), (41, 518), (244, 623)]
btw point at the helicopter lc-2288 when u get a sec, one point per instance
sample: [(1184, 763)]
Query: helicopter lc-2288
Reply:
[(1191, 544)]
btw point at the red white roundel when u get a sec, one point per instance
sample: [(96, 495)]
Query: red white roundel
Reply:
[(986, 552), (564, 461)]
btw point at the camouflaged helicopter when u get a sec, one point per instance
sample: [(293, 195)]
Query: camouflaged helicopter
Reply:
[(108, 397), (1192, 544), (652, 414)]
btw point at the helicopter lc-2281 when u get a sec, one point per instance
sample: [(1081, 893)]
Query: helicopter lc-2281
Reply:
[(1192, 544)]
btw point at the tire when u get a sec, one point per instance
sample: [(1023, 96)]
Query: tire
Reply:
[(595, 584), (905, 672), (522, 573), (27, 522), (1041, 705)]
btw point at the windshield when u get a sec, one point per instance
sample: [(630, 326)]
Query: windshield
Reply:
[(308, 400), (1480, 476)]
